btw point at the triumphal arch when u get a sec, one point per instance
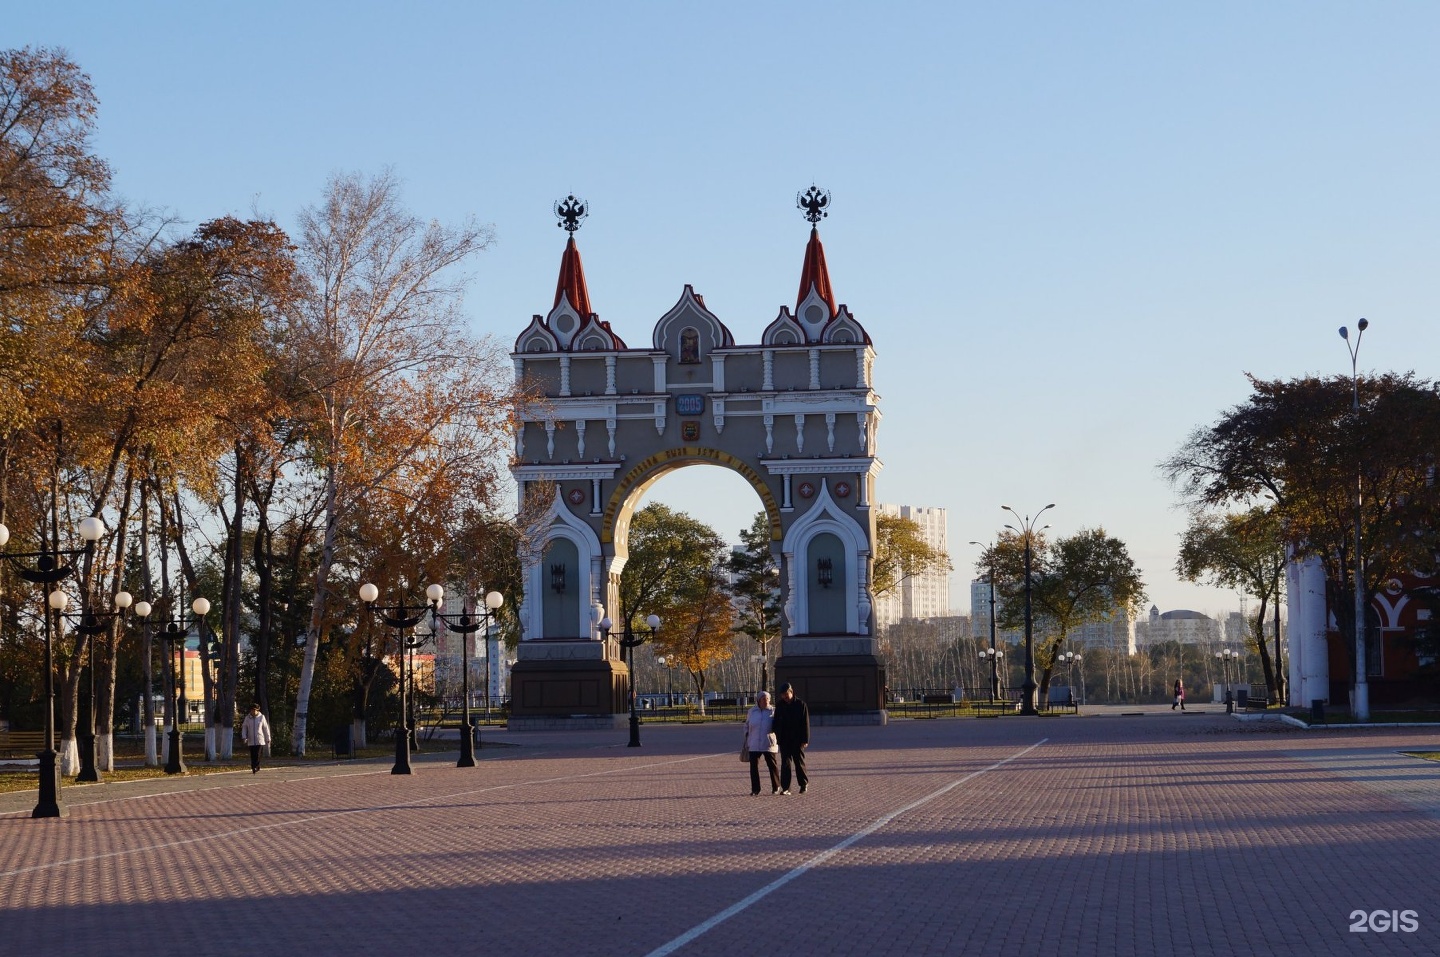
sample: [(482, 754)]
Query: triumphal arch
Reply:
[(795, 415)]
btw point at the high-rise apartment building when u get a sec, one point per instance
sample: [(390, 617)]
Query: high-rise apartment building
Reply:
[(919, 596)]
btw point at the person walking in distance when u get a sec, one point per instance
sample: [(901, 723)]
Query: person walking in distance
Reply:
[(255, 731), (1179, 695), (792, 732), (760, 742)]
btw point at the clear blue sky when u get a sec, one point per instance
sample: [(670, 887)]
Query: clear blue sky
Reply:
[(1070, 228)]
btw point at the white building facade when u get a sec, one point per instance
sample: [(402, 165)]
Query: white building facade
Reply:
[(919, 596)]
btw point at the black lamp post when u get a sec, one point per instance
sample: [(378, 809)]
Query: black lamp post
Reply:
[(1070, 659), (92, 625), (1361, 709), (465, 626), (994, 674), (994, 657), (629, 641), (175, 634), (1226, 657), (399, 618), (49, 571), (1027, 528)]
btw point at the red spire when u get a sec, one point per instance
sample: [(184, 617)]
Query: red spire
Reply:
[(572, 280), (814, 273)]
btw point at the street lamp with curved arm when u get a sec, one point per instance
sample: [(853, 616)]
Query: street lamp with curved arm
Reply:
[(1362, 685), (994, 674), (465, 626), (629, 641), (400, 617), (48, 571), (1027, 529), (92, 625)]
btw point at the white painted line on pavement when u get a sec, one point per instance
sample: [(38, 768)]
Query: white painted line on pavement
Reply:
[(822, 857)]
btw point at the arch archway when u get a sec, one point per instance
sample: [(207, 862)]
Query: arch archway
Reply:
[(794, 416)]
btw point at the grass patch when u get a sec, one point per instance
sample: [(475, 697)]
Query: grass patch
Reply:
[(28, 779), (1423, 755)]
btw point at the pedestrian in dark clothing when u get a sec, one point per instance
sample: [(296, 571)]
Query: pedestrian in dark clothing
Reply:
[(792, 732), (1179, 695)]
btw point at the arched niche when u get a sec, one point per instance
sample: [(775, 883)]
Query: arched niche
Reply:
[(826, 532), (570, 612)]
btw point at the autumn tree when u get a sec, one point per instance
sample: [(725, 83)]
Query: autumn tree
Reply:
[(901, 552), (396, 386), (677, 570), (1084, 578), (1244, 551), (1298, 447), (56, 225)]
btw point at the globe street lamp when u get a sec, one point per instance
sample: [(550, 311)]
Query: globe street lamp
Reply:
[(49, 571), (465, 626), (994, 657), (1070, 659), (92, 625), (1027, 529), (400, 618), (629, 642), (1361, 708), (175, 634), (994, 675)]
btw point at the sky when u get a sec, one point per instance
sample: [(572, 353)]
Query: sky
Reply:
[(1070, 229)]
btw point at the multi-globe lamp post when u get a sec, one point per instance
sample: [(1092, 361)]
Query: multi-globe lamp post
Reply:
[(1226, 657), (92, 625), (1070, 659), (176, 635), (629, 641), (465, 626), (1027, 529), (1361, 705), (995, 657), (400, 617), (49, 571)]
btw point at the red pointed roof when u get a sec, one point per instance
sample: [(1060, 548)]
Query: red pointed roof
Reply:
[(572, 280), (815, 273)]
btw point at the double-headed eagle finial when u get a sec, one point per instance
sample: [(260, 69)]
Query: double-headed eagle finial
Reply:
[(571, 212), (813, 201)]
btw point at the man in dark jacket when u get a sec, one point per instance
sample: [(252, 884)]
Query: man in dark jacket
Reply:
[(792, 732)]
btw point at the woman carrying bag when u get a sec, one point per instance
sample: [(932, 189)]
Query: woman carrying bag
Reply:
[(760, 742)]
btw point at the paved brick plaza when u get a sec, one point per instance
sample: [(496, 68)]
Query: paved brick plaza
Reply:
[(1097, 835)]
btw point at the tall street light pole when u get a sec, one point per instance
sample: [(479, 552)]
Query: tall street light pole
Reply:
[(994, 673), (1027, 528), (1361, 705), (47, 572), (464, 626), (400, 618), (629, 641)]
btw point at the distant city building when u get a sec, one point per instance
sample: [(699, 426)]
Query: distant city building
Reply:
[(980, 614), (1115, 631), (919, 596), (1182, 625)]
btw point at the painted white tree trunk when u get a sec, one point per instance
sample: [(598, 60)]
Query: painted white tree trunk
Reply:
[(69, 757)]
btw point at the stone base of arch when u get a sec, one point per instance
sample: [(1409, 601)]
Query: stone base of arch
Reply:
[(839, 688), (556, 692)]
